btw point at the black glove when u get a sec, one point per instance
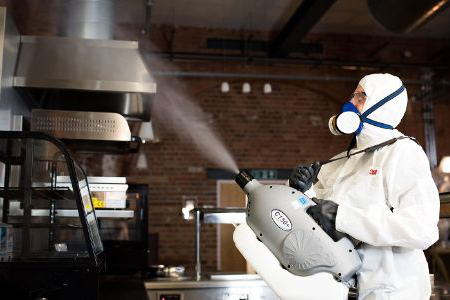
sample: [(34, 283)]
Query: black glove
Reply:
[(302, 177), (324, 213)]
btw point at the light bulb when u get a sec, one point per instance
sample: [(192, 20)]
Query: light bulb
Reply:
[(146, 132), (267, 88), (246, 88), (445, 164), (186, 210), (141, 163), (225, 87)]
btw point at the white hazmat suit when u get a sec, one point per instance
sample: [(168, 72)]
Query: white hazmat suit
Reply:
[(387, 199)]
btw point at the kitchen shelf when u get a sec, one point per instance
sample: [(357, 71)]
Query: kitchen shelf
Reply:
[(222, 215), (104, 147), (34, 206), (73, 213), (44, 193)]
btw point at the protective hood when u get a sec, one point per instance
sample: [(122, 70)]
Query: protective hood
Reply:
[(377, 87)]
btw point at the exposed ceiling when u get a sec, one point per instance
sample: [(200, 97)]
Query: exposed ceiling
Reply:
[(353, 17), (345, 16), (262, 15)]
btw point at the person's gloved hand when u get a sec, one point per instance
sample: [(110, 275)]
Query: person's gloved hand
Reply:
[(302, 177), (324, 213)]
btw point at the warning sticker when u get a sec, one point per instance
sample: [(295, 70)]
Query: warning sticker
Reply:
[(300, 202), (303, 200)]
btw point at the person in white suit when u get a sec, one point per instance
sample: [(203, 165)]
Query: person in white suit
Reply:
[(385, 198)]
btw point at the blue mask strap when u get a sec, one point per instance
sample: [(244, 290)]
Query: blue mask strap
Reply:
[(375, 123), (389, 97)]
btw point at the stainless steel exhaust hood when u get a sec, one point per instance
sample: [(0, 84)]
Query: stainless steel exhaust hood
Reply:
[(86, 74), (82, 64), (86, 70)]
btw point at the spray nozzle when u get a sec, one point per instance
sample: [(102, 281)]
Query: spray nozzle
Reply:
[(242, 178)]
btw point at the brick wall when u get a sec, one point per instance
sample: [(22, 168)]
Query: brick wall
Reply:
[(278, 130)]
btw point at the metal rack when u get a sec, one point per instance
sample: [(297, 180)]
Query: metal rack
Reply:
[(231, 215), (68, 252)]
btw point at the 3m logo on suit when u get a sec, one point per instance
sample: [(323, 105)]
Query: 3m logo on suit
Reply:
[(373, 172)]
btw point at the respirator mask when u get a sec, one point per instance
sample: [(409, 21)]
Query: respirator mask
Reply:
[(350, 120)]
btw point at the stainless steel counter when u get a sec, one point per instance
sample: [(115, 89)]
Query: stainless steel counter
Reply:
[(72, 213), (231, 287), (223, 287), (189, 283)]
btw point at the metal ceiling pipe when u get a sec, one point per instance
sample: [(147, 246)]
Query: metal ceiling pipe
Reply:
[(89, 19), (262, 60), (259, 76), (148, 14), (403, 16)]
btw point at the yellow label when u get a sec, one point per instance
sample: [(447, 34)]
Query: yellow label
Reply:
[(98, 203)]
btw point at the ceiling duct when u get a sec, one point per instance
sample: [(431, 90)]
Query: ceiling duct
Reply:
[(403, 16), (89, 19), (85, 70)]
